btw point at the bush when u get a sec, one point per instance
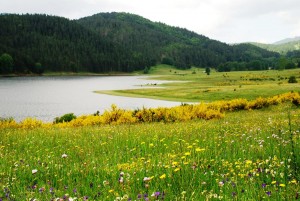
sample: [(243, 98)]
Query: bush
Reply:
[(65, 118), (292, 79)]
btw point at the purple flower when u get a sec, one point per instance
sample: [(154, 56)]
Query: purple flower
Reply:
[(264, 185), (74, 190), (51, 190), (42, 189), (156, 194), (139, 196), (268, 193)]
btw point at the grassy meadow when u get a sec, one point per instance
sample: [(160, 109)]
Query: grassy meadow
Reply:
[(224, 150), (247, 155), (197, 86)]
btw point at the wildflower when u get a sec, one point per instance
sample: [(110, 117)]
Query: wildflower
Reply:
[(282, 185), (42, 189), (121, 180), (174, 163), (273, 182), (177, 169), (34, 171), (248, 162), (187, 153), (111, 190), (156, 194), (64, 156), (264, 185), (199, 149), (268, 193), (146, 179), (221, 183), (163, 176)]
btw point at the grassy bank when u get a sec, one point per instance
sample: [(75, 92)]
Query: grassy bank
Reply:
[(199, 87), (247, 155)]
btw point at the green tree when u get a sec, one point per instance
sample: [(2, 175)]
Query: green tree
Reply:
[(38, 68), (282, 63), (146, 70), (207, 70), (6, 63), (292, 79)]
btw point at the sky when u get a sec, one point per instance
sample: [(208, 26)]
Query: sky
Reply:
[(230, 21)]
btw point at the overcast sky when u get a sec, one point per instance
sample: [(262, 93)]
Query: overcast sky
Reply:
[(229, 21)]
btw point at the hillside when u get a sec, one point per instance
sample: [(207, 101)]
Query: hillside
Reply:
[(282, 47), (108, 42), (287, 40)]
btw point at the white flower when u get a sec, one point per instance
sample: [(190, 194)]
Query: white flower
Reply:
[(64, 156), (34, 171)]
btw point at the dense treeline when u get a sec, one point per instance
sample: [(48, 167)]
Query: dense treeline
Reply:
[(108, 42)]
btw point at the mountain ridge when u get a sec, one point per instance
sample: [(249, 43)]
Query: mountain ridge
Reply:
[(107, 42), (287, 40)]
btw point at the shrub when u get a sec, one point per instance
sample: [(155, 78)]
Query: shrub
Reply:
[(65, 118), (292, 79)]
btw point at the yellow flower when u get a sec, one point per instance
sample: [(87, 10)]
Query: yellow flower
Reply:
[(111, 190), (163, 176), (273, 182), (248, 162), (199, 149), (293, 181), (174, 163), (187, 153), (176, 169), (282, 185)]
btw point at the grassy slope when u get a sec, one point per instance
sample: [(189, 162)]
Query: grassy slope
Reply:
[(200, 87), (245, 156)]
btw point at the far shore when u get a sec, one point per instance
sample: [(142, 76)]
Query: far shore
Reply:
[(71, 74)]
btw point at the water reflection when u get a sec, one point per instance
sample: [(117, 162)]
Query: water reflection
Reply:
[(48, 97)]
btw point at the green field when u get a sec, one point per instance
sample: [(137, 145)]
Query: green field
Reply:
[(196, 86), (247, 155), (250, 151)]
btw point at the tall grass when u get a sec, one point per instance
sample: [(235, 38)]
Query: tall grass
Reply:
[(247, 155)]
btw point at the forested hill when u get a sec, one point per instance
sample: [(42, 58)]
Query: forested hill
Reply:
[(111, 42)]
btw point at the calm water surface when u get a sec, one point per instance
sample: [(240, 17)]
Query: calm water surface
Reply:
[(45, 98)]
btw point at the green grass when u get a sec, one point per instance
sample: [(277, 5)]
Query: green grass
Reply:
[(245, 156), (196, 86)]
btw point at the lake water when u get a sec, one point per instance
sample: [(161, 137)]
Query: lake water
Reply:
[(47, 97)]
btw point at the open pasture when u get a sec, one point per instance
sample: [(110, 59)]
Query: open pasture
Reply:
[(197, 86), (247, 155)]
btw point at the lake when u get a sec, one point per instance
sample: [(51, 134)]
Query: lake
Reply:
[(48, 97)]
